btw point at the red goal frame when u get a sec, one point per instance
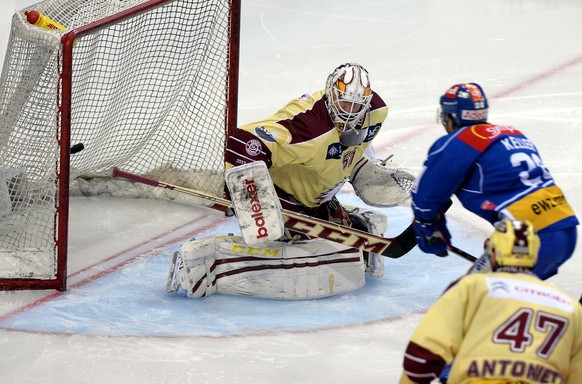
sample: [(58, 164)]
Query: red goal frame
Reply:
[(64, 128)]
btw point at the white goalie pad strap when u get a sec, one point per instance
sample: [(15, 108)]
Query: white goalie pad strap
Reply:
[(197, 275), (377, 224), (381, 185), (286, 271), (255, 202), (377, 221)]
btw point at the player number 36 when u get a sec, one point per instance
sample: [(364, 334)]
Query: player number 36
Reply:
[(536, 172)]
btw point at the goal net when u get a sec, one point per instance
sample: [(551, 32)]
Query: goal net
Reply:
[(146, 86)]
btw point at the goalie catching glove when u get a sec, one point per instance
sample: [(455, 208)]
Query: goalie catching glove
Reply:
[(380, 183)]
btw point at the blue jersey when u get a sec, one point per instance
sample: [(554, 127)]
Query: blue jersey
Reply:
[(495, 171)]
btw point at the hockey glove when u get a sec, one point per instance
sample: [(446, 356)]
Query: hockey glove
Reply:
[(337, 214), (432, 236)]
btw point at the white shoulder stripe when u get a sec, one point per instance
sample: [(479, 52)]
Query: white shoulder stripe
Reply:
[(415, 358)]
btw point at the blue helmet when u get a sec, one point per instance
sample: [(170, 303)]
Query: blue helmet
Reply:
[(466, 103)]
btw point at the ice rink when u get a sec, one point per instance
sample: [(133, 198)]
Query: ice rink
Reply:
[(116, 323)]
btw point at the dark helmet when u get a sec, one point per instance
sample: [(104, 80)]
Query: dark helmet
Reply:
[(465, 103)]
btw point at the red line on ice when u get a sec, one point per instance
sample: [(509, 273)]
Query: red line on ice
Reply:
[(119, 265), (524, 84)]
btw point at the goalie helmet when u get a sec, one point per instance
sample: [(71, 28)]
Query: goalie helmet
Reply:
[(514, 243), (465, 103), (348, 98)]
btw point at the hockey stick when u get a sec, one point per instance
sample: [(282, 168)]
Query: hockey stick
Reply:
[(462, 253), (311, 226)]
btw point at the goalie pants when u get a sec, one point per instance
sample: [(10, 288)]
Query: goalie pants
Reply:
[(275, 270)]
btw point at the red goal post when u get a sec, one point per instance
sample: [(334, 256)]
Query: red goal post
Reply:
[(146, 86)]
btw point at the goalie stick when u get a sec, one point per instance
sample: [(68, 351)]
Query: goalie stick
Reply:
[(390, 247)]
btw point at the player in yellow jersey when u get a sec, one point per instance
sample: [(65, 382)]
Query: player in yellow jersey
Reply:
[(312, 147), (504, 326), (317, 142), (313, 144)]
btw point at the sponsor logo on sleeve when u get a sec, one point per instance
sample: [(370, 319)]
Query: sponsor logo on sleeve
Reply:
[(253, 147), (264, 134), (372, 131), (334, 151)]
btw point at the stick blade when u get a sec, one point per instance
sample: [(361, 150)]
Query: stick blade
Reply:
[(401, 244)]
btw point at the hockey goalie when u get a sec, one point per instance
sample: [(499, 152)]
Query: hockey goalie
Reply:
[(298, 159)]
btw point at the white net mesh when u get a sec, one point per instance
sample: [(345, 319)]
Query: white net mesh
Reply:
[(148, 96)]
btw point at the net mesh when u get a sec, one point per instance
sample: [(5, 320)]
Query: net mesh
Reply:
[(148, 96)]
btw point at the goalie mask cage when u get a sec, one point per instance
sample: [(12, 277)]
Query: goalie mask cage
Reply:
[(146, 86)]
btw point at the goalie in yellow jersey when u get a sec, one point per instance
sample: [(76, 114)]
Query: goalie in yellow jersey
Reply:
[(311, 147), (318, 142), (504, 326)]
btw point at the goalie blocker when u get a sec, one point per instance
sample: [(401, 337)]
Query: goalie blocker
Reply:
[(255, 202), (274, 270)]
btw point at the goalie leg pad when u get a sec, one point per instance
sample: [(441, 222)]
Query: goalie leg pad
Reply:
[(274, 270), (173, 282), (303, 270), (197, 270)]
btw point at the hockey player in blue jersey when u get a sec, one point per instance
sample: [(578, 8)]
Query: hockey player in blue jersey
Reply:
[(497, 173)]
